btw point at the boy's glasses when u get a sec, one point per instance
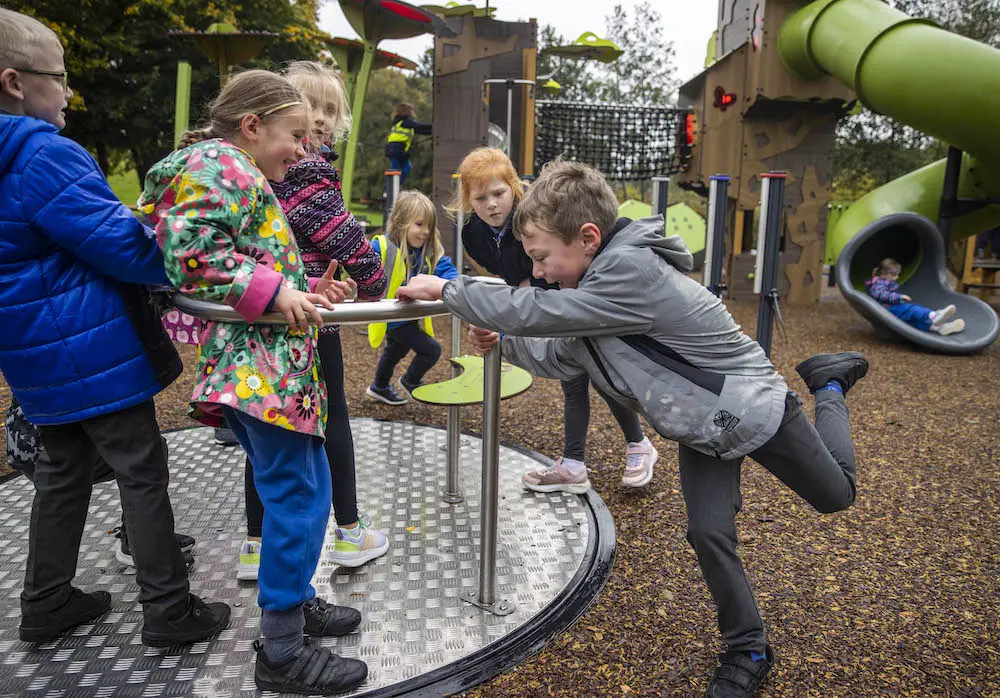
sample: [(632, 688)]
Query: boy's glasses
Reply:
[(62, 75)]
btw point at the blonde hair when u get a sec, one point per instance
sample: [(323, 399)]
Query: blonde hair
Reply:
[(259, 92), (566, 196), (887, 265), (20, 36), (321, 86), (411, 206), (478, 169)]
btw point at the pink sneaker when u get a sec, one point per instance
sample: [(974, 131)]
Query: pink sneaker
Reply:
[(558, 478), (639, 461)]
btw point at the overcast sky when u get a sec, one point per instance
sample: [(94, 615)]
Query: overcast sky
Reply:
[(687, 23)]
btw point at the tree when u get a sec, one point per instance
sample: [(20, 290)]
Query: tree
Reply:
[(644, 73), (577, 78), (122, 63)]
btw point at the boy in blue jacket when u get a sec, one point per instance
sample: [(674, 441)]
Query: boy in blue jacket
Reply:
[(84, 353)]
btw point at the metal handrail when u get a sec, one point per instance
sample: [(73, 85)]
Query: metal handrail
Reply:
[(346, 313)]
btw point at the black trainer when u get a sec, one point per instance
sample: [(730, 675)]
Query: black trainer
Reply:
[(386, 395), (123, 553), (738, 676), (314, 669), (847, 368), (198, 621), (81, 608), (324, 619)]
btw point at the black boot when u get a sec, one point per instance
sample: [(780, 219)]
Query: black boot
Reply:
[(314, 669), (195, 622), (847, 368), (81, 608), (738, 676), (324, 619)]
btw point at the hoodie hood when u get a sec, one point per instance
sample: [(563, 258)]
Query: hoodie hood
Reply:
[(648, 232), (14, 131)]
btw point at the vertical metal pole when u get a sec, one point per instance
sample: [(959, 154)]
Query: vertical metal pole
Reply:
[(491, 477), (661, 195), (510, 114), (718, 202), (768, 249), (391, 192), (452, 492)]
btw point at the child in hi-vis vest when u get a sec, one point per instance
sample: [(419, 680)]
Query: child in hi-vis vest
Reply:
[(410, 247)]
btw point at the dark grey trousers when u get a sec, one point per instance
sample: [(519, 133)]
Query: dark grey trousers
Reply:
[(129, 441), (576, 417), (817, 463)]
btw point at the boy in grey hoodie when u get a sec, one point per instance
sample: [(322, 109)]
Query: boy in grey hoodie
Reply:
[(655, 340)]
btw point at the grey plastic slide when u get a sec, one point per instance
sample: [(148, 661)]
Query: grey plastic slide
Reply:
[(915, 242)]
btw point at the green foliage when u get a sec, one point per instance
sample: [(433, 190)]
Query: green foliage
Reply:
[(644, 74), (122, 63), (126, 187), (386, 89)]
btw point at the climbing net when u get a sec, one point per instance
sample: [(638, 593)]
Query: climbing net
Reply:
[(624, 142)]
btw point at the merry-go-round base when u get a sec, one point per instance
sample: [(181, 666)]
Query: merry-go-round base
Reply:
[(418, 637)]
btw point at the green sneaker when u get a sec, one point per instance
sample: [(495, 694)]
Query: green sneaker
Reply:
[(249, 561), (356, 546)]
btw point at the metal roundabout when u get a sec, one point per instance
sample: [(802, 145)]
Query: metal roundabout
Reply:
[(480, 573)]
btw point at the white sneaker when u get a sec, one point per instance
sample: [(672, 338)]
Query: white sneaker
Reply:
[(940, 316), (249, 565), (639, 461), (558, 478), (949, 327), (356, 546)]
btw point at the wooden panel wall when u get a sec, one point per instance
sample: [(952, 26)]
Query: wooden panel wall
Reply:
[(484, 48)]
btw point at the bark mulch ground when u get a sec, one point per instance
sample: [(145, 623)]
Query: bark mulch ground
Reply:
[(897, 596)]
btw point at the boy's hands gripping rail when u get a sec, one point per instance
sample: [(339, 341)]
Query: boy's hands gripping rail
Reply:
[(425, 287)]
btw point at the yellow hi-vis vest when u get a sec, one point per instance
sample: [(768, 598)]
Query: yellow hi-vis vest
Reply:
[(395, 266), (398, 134)]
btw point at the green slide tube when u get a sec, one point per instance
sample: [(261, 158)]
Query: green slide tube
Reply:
[(937, 82)]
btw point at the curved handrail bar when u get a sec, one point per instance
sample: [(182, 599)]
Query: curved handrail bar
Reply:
[(347, 313)]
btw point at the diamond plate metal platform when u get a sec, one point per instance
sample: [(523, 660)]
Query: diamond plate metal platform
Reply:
[(417, 636)]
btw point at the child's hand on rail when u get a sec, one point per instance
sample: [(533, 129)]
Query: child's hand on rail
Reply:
[(422, 287)]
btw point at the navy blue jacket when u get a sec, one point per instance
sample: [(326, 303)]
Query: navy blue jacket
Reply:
[(78, 335)]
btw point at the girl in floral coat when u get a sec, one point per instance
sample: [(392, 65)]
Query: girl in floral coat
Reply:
[(225, 239)]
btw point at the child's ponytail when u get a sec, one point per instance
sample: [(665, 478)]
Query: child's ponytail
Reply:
[(196, 136)]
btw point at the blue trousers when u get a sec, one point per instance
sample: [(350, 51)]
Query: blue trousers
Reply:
[(292, 476), (912, 314), (404, 167)]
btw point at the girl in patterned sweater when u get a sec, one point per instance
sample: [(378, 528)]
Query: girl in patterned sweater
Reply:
[(325, 231), (225, 238), (884, 287)]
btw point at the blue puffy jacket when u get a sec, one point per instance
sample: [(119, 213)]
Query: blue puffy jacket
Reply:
[(78, 335)]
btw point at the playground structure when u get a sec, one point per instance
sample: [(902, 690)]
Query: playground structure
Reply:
[(779, 78)]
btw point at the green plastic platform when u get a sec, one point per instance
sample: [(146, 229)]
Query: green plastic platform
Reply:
[(681, 220), (467, 388)]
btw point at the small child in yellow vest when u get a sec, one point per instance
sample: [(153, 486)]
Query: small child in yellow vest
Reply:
[(410, 246)]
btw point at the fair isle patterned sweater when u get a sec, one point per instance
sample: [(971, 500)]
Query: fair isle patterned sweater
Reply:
[(311, 199)]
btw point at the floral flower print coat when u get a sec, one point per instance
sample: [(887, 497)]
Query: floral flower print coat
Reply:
[(225, 239)]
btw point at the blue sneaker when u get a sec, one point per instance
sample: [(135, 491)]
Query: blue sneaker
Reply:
[(386, 395)]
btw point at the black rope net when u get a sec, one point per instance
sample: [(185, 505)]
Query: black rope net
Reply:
[(624, 142)]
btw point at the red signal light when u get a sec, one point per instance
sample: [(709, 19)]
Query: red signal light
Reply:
[(723, 99), (689, 129)]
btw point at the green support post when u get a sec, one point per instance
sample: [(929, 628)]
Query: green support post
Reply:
[(182, 103), (357, 108)]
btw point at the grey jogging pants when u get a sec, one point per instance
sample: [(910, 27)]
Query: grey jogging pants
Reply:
[(815, 462)]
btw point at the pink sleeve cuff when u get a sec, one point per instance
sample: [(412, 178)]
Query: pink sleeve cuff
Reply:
[(313, 282), (263, 285)]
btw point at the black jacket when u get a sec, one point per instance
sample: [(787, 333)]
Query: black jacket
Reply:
[(506, 258)]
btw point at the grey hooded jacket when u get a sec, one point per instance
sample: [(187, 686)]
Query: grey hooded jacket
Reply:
[(646, 334)]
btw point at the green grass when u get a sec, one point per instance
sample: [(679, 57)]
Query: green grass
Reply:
[(372, 214), (126, 187)]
